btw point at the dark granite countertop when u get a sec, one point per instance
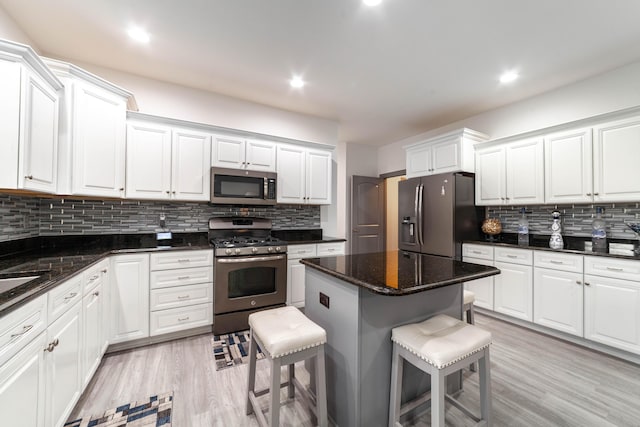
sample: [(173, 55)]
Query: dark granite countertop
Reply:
[(304, 236), (56, 259), (574, 245), (398, 273)]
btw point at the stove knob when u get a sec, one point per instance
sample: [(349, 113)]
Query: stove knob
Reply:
[(254, 250), (237, 251), (278, 249), (227, 251), (270, 249)]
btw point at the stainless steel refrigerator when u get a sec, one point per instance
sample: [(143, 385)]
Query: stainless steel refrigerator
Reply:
[(437, 213)]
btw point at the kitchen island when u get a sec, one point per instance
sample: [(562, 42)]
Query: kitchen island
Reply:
[(358, 299)]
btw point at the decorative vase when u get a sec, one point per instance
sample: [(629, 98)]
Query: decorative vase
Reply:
[(491, 227), (556, 242)]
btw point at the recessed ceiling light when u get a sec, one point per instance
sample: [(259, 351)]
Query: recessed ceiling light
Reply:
[(296, 82), (508, 77), (372, 2), (138, 34)]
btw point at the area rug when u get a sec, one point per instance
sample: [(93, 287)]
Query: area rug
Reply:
[(232, 349), (154, 411)]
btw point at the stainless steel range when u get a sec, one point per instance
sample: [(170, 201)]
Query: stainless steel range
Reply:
[(249, 270)]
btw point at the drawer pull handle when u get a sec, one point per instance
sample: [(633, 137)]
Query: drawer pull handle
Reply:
[(512, 256), (94, 277), (25, 329), (52, 345), (69, 297), (183, 260), (104, 270), (553, 261), (477, 252), (615, 269), (183, 319), (183, 277), (183, 296), (96, 293)]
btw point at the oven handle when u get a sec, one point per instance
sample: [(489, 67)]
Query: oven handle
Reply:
[(250, 259)]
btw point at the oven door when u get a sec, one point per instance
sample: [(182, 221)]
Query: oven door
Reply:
[(245, 283)]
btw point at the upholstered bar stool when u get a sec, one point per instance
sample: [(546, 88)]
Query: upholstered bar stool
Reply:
[(439, 346), (468, 298), (286, 336)]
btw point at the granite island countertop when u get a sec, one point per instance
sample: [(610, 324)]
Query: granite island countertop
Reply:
[(397, 272)]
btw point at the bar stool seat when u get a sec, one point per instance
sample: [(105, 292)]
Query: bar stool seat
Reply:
[(439, 346), (286, 336)]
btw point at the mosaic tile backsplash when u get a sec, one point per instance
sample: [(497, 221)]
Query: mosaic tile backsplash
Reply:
[(576, 219), (22, 217)]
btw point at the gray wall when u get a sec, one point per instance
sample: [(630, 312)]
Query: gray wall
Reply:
[(22, 216), (576, 219)]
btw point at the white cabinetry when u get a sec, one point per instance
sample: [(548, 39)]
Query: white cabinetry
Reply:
[(92, 133), (129, 297), (451, 152), (513, 287), (166, 163), (568, 167), (240, 153), (181, 291), (295, 270), (304, 175), (511, 174), (616, 150), (29, 107), (482, 288), (612, 302), (558, 291), (93, 319)]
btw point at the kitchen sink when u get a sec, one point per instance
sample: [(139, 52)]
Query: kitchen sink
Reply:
[(14, 282)]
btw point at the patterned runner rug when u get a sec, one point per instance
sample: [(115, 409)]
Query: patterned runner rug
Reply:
[(232, 349), (154, 411)]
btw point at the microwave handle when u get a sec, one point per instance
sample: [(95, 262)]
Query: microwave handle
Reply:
[(265, 192)]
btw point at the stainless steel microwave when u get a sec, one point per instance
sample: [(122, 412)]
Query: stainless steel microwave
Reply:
[(243, 187)]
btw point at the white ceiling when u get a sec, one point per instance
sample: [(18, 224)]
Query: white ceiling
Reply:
[(384, 73)]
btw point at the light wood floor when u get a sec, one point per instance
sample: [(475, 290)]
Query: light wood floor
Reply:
[(537, 381)]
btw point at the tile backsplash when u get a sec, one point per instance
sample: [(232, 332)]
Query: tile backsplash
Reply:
[(576, 219), (22, 216)]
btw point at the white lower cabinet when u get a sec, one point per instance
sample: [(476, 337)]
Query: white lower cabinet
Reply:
[(62, 361), (22, 386), (181, 295), (295, 270), (558, 300), (482, 288), (94, 332), (513, 290), (129, 297)]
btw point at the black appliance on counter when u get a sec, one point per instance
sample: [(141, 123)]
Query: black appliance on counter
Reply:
[(249, 270), (437, 213)]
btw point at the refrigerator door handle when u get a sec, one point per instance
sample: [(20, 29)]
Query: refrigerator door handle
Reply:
[(415, 213), (419, 215)]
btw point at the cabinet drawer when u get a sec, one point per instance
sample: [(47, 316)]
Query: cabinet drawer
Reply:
[(178, 319), (301, 251), (558, 261), (477, 251), (181, 259), (330, 249), (22, 325), (182, 296), (91, 277), (181, 277), (514, 256), (63, 297), (612, 267)]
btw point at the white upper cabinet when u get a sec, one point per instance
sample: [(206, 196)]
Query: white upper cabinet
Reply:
[(511, 174), (29, 107), (451, 152), (304, 175), (616, 150), (166, 163), (92, 133), (567, 175), (240, 153)]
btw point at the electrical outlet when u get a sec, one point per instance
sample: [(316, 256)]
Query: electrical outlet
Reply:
[(324, 299)]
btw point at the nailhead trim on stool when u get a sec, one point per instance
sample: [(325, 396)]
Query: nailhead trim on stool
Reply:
[(439, 346), (286, 336)]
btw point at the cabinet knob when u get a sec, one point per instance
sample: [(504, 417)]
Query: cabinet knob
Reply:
[(588, 194), (121, 188), (29, 177), (587, 283), (96, 293), (173, 192), (596, 194), (104, 270), (168, 192), (578, 282)]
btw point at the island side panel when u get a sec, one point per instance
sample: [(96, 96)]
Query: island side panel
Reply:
[(378, 315), (341, 322)]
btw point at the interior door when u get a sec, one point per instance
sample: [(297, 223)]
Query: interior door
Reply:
[(367, 214)]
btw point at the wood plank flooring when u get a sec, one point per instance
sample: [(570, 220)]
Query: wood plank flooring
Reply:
[(537, 381)]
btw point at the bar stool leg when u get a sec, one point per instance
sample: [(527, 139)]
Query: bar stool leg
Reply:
[(251, 386), (485, 387), (274, 394), (397, 366), (292, 374), (437, 398), (472, 321), (321, 389)]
